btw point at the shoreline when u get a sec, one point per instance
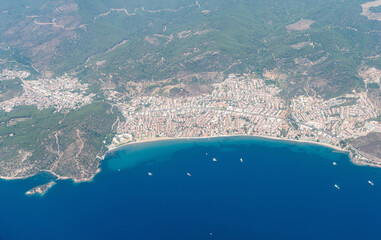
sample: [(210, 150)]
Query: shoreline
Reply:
[(160, 139), (53, 175)]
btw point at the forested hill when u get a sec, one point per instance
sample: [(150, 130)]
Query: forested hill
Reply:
[(318, 46)]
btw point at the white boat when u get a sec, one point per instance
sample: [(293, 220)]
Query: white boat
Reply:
[(337, 186), (118, 170), (149, 174), (214, 160), (241, 159), (189, 174), (371, 183), (334, 163)]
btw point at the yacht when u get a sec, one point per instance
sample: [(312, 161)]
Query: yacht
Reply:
[(336, 186), (214, 160), (189, 174), (149, 174), (241, 159), (334, 163), (371, 183)]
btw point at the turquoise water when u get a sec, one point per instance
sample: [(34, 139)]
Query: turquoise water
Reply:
[(279, 191)]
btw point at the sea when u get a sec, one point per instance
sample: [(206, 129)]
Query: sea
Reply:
[(218, 188)]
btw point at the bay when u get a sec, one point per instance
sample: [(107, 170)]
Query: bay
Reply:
[(279, 190)]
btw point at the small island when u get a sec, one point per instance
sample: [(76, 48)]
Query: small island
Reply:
[(41, 190)]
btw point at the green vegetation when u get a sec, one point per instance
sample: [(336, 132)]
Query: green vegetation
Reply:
[(10, 89), (42, 123), (251, 33), (378, 119), (270, 82), (373, 86), (43, 133), (375, 9), (24, 134)]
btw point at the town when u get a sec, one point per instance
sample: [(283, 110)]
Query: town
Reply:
[(60, 93), (240, 105), (247, 105)]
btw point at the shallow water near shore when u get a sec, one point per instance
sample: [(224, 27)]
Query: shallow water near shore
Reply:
[(279, 190)]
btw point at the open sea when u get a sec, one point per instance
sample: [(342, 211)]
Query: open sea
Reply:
[(280, 190)]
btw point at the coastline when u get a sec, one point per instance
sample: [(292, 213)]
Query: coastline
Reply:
[(160, 139), (358, 160), (54, 175), (41, 190)]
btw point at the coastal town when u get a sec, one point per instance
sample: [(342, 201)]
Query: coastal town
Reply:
[(60, 93), (240, 105), (248, 105), (190, 119)]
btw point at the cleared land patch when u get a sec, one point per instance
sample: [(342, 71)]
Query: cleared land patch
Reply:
[(301, 45), (366, 10), (300, 25)]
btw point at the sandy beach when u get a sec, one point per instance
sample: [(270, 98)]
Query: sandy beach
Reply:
[(148, 140)]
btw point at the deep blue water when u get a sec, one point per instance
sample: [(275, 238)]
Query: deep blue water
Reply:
[(279, 191)]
